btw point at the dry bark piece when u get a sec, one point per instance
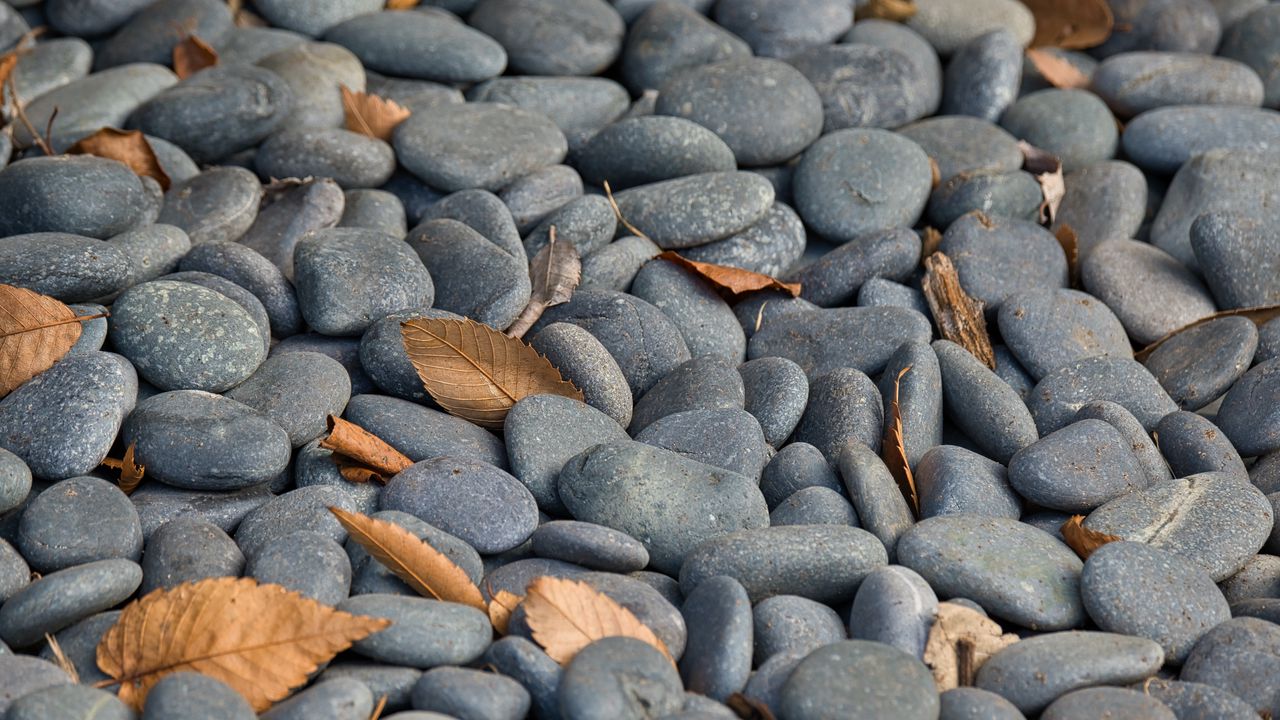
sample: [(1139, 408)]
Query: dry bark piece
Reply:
[(555, 273), (476, 372), (1259, 315), (360, 455), (1047, 168), (1071, 24), (131, 472), (1083, 540), (894, 452), (1056, 71), (500, 609), (371, 115), (730, 280), (960, 642), (895, 10), (127, 146), (427, 570), (191, 56), (568, 615), (958, 315), (261, 640), (1070, 243), (36, 331)]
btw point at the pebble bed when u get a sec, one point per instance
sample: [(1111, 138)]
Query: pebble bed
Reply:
[(723, 478)]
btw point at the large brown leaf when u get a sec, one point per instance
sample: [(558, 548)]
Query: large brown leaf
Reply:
[(1259, 315), (192, 55), (1083, 540), (733, 281), (360, 455), (894, 451), (1071, 24), (36, 331), (476, 372), (555, 272), (959, 316), (960, 642), (427, 570), (567, 615), (371, 115), (127, 146), (262, 640)]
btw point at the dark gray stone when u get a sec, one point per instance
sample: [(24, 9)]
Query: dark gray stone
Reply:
[(395, 682), (472, 276), (792, 625), (970, 703), (947, 26), (730, 439), (1161, 140), (1237, 255), (25, 675), (339, 699), (706, 322), (796, 466), (70, 702), (1107, 700), (74, 194), (982, 405), (1046, 327), (913, 378), (350, 159), (1192, 444), (580, 106), (62, 598), (298, 391), (292, 215), (187, 550), (588, 222), (1015, 195), (371, 576), (697, 209), (997, 257), (423, 433), (424, 633), (615, 265), (1196, 700), (421, 45), (152, 251), (1134, 82), (586, 34), (14, 571), (1057, 397), (619, 677), (1077, 468), (374, 210), (859, 678), (314, 465), (1075, 125), (532, 197), (308, 563), (542, 432), (70, 268), (834, 278), (184, 694), (951, 480), (769, 247), (149, 37), (965, 145), (525, 662), (1172, 295), (814, 506), (668, 37), (462, 692), (894, 606), (314, 73), (157, 504), (589, 545), (776, 392), (77, 521), (651, 149), (1103, 201), (1254, 43), (218, 205), (1173, 25), (881, 507), (717, 659), (1197, 366), (345, 350), (706, 383), (231, 291), (923, 58), (301, 509), (864, 85), (102, 99), (1240, 656), (863, 338), (845, 408), (983, 76)]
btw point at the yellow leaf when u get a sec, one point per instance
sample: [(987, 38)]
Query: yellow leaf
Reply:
[(127, 146), (130, 471), (568, 615), (360, 455), (261, 640), (371, 115), (554, 273), (500, 609), (960, 641), (476, 372), (958, 315), (894, 452), (36, 331), (1083, 540), (191, 56), (734, 281), (427, 570)]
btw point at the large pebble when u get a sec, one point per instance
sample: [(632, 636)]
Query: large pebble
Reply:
[(298, 391), (426, 46), (542, 432), (424, 633), (983, 75), (845, 408), (835, 278), (669, 37), (1161, 140), (1170, 25), (77, 521), (864, 85), (857, 678), (301, 509), (1173, 296), (183, 694), (1196, 700), (580, 106), (76, 194), (150, 36), (896, 36), (781, 31), (157, 504), (1135, 82), (650, 149), (105, 98), (1061, 393), (699, 384), (1075, 125), (15, 481), (881, 507), (423, 433), (585, 362), (697, 209), (948, 26), (1103, 201), (188, 550), (996, 257), (776, 391), (71, 268), (589, 545), (1238, 259), (72, 702), (25, 675), (771, 246), (586, 34), (894, 606), (308, 563), (1254, 43), (952, 480), (822, 341), (350, 159), (463, 692), (1077, 468), (622, 678), (218, 205), (965, 145), (65, 597), (471, 276), (1109, 701), (1242, 657), (983, 405), (293, 214), (1248, 413), (525, 662), (717, 658), (1045, 328), (1200, 364)]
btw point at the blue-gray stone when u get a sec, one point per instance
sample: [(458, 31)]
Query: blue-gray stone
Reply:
[(424, 633), (301, 509), (717, 658), (592, 546), (996, 257), (343, 349), (963, 145), (14, 571), (1103, 201), (1172, 296), (730, 439), (292, 214), (525, 662), (472, 276), (309, 563), (1134, 82), (532, 197), (1193, 444), (218, 205), (982, 405), (1172, 25), (952, 480), (586, 34), (665, 38), (76, 521), (102, 99), (863, 338), (70, 702), (339, 699), (384, 359), (298, 391), (913, 378), (878, 292), (1240, 656), (834, 278), (1108, 701), (315, 72), (75, 194), (462, 692), (771, 246), (64, 597), (1060, 394), (864, 85), (796, 466), (420, 45), (71, 268), (25, 675), (1248, 413), (588, 222), (857, 678), (707, 383), (651, 149), (697, 209), (350, 159), (894, 606), (622, 678), (231, 291), (394, 682), (615, 265), (589, 366), (923, 58), (371, 576), (1254, 44), (705, 320), (814, 506), (970, 703), (983, 76), (150, 37), (580, 106), (1197, 366), (375, 210), (1048, 327), (1257, 579), (948, 26), (487, 214), (185, 694), (1161, 140), (782, 31), (845, 408), (423, 433), (188, 550), (793, 625), (1074, 125), (1196, 700), (882, 509), (1015, 195), (542, 432), (152, 251), (776, 392), (1077, 468), (1237, 255)]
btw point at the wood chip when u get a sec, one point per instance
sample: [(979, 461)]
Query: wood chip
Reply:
[(958, 315)]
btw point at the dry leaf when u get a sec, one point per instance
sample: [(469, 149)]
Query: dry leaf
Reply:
[(243, 18), (895, 10), (192, 55), (360, 455), (1057, 71), (500, 609), (61, 660), (262, 640), (1048, 171), (930, 241), (731, 280), (748, 708), (1070, 24), (377, 709), (127, 146), (476, 372), (960, 641), (935, 173), (567, 615), (617, 212), (130, 471), (1259, 315), (555, 272), (371, 115), (894, 452), (36, 331), (401, 4), (1083, 540), (427, 570), (1071, 248), (959, 316)]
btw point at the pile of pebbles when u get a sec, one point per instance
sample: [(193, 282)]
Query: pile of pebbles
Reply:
[(723, 478)]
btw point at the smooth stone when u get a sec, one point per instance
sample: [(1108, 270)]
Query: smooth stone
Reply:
[(542, 432), (38, 196), (1196, 700), (768, 305), (705, 383), (158, 504), (666, 38), (395, 682), (588, 222), (1237, 256), (1014, 195), (1016, 572), (862, 679), (913, 378), (615, 265), (835, 278), (1248, 413), (308, 563), (183, 694), (102, 99), (315, 72), (893, 180), (1103, 201), (420, 45), (878, 292), (962, 145), (793, 625), (472, 276), (383, 358), (580, 106), (882, 509), (717, 658), (1173, 296), (894, 606), (997, 257), (90, 393), (1253, 43), (983, 405), (525, 662), (188, 550), (587, 34), (622, 678), (970, 703), (25, 675), (1134, 82), (247, 45), (247, 268), (292, 215), (644, 150), (770, 246), (62, 598), (697, 209), (1171, 25), (1192, 444), (1061, 393), (231, 291), (706, 322), (844, 408), (412, 94), (150, 36), (1199, 365), (368, 575), (374, 210), (301, 509), (983, 76), (15, 481), (70, 268), (463, 692), (923, 58), (1045, 328), (776, 392), (781, 32), (345, 350), (423, 433), (796, 466), (863, 338), (218, 205), (92, 19), (589, 366), (516, 576), (78, 521), (69, 702), (814, 506), (1240, 656), (1077, 468), (350, 159), (313, 21), (1074, 125), (1163, 139), (93, 333), (339, 699), (766, 683), (314, 465), (1107, 700), (730, 439), (592, 546), (864, 85), (1258, 579), (152, 251), (951, 480), (1012, 373), (947, 27), (298, 391), (534, 196)]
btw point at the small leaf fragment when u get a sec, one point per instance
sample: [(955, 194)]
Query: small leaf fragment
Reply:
[(555, 272), (958, 315), (368, 456), (36, 331), (930, 241), (1259, 315), (1082, 539), (894, 10), (131, 472), (1071, 24), (1066, 236), (959, 643), (894, 452), (401, 4), (127, 146), (1057, 71), (500, 609), (731, 280), (192, 55), (567, 615), (1047, 168), (371, 115)]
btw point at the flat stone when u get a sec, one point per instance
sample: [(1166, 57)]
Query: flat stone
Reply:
[(952, 480), (1134, 82), (776, 392), (1174, 296), (1189, 699), (542, 432), (1077, 468), (350, 159), (70, 702), (218, 205), (859, 678), (650, 149), (1103, 201), (997, 257), (585, 362), (863, 338), (697, 209), (157, 504), (619, 677), (75, 194), (1061, 393), (341, 699), (1200, 364), (1163, 139), (187, 550), (71, 268), (1237, 255), (1045, 328), (882, 509), (424, 46), (104, 98), (1132, 703), (770, 247), (835, 278), (894, 606), (960, 144), (423, 433), (1240, 656), (464, 692), (580, 106), (65, 597), (1073, 124), (77, 521), (982, 405), (1193, 444), (717, 658)]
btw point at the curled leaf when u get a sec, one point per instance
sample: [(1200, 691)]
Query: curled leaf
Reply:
[(1048, 171), (427, 570), (568, 615), (555, 272), (371, 115), (261, 640), (733, 281), (360, 455), (1057, 71), (894, 10), (127, 146), (1259, 315), (958, 315), (894, 451), (1083, 540), (1071, 24), (36, 331), (192, 55), (131, 472), (476, 372), (500, 609), (960, 642)]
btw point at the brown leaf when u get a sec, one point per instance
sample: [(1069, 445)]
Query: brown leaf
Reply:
[(935, 173), (895, 10), (894, 452), (1258, 315), (130, 471), (930, 241), (262, 640), (1071, 24), (617, 212), (401, 4), (427, 570), (61, 660), (568, 615), (500, 609), (9, 60), (371, 115), (1056, 71), (959, 316), (127, 146), (732, 280), (36, 331), (960, 641), (369, 456), (1066, 236), (1048, 171), (243, 18), (1083, 540), (555, 273), (748, 708), (192, 55), (476, 372)]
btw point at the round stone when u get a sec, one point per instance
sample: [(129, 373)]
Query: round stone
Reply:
[(1248, 414), (894, 606), (423, 633), (697, 209), (77, 521), (560, 37), (1108, 701), (350, 159), (1075, 125), (1060, 394), (305, 562), (951, 480), (70, 268), (188, 550), (619, 677), (997, 257), (948, 26), (1077, 468), (983, 76), (862, 679), (421, 45), (1200, 364), (1045, 328), (1237, 259), (717, 658), (642, 150)]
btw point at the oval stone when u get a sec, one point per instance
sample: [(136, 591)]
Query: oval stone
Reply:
[(697, 209), (1060, 394), (1045, 328), (1077, 468), (858, 678), (423, 633), (71, 268), (75, 194), (421, 45)]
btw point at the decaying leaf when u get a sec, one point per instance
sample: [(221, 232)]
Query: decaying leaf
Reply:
[(894, 452), (262, 640), (127, 146), (1066, 236), (36, 331), (427, 570), (131, 472), (192, 55), (958, 315), (732, 281), (960, 641), (500, 608), (1083, 540), (401, 4), (555, 273), (360, 455), (1056, 71), (1071, 24), (895, 10), (476, 372), (1048, 171), (61, 660), (1259, 315), (371, 115), (567, 615)]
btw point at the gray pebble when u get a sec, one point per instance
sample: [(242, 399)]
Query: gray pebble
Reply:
[(814, 506), (188, 550), (878, 292), (864, 85), (423, 433), (1134, 82), (586, 34), (15, 574), (894, 606), (183, 694), (77, 521), (1107, 700), (983, 405), (619, 677), (1197, 366), (1077, 468), (534, 196), (1173, 25), (730, 439), (149, 37), (292, 215), (1014, 195), (542, 432), (844, 408), (697, 209), (350, 159), (70, 702), (790, 625), (1254, 43), (1196, 700), (951, 480), (835, 277), (651, 149), (615, 265), (314, 465), (669, 37), (218, 205), (580, 106), (64, 597), (25, 675), (102, 99), (1247, 414), (374, 210), (796, 466), (152, 251), (472, 276), (1237, 257), (301, 509), (314, 73), (970, 703), (1061, 393), (67, 267), (1161, 140), (75, 194), (717, 658), (298, 391), (896, 36), (470, 693), (819, 342), (1192, 444), (588, 222), (776, 392), (485, 213), (592, 546), (421, 45), (770, 247), (339, 699), (1045, 328), (961, 144), (1239, 656), (1104, 200), (997, 257), (585, 362), (948, 26), (862, 679), (1075, 125), (881, 508), (983, 75), (395, 682), (1172, 295), (706, 383), (305, 562)]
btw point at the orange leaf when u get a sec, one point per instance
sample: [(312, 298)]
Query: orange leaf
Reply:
[(1259, 315), (501, 607), (1083, 540), (1071, 24), (130, 471), (127, 146), (568, 615), (36, 331), (959, 316), (894, 452), (371, 115), (191, 56), (732, 280), (427, 570), (360, 455), (1056, 71), (261, 640)]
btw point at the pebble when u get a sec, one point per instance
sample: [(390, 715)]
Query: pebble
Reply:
[(350, 159), (305, 562), (423, 433), (585, 362), (77, 521), (298, 391), (863, 338), (717, 658), (313, 21), (644, 150), (587, 221), (64, 597), (345, 350), (1045, 328), (1077, 468), (374, 210), (587, 34), (864, 85), (982, 405), (591, 546), (542, 432), (1061, 393), (1174, 297), (340, 699), (619, 677), (669, 37), (580, 106), (382, 355), (776, 392), (706, 322), (183, 694), (614, 266), (149, 37), (470, 693), (71, 268), (420, 45), (965, 145), (697, 209), (882, 509), (948, 26), (1014, 195), (952, 480), (996, 257), (14, 571), (471, 276), (970, 703), (894, 606), (301, 509), (1109, 701), (983, 75), (783, 31), (730, 439), (424, 633), (814, 506), (845, 408), (232, 292), (104, 98), (835, 278), (187, 550), (796, 466), (69, 701), (370, 576), (248, 45), (1197, 366), (158, 503), (1240, 656), (1236, 257), (524, 661), (1248, 412), (1253, 43), (1256, 580), (1189, 699), (706, 383), (314, 73), (392, 681), (313, 205), (218, 205), (1162, 139), (862, 679), (1075, 125), (790, 625), (1134, 82), (26, 675), (152, 251), (73, 194), (533, 197), (1170, 25), (1103, 201)]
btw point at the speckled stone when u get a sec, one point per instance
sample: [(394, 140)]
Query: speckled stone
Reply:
[(1014, 195), (1103, 201), (158, 503), (970, 703), (1248, 414), (951, 480), (350, 159), (188, 550), (587, 34), (864, 85), (1077, 468), (423, 433), (1196, 700), (149, 38), (862, 679), (75, 194), (882, 510), (896, 36), (845, 407), (184, 693), (593, 546), (822, 341), (705, 320), (1173, 296), (68, 267), (770, 246), (375, 210), (580, 106), (471, 276), (1172, 25), (1061, 393), (77, 521), (1045, 328), (72, 702), (1161, 140), (588, 220), (1253, 42), (291, 216), (651, 149), (542, 432), (1134, 82), (315, 72), (700, 384), (368, 575), (424, 46), (1197, 366), (965, 145), (796, 466), (309, 563), (301, 509), (461, 692), (717, 658), (983, 75), (1109, 701), (621, 678), (15, 481), (982, 405), (835, 277), (64, 597), (218, 205), (98, 100), (1075, 125), (776, 392), (615, 265), (697, 209), (814, 506), (665, 38), (730, 439), (997, 257), (534, 196), (894, 606), (1240, 656), (792, 625), (947, 26), (585, 362), (1237, 255), (152, 251), (25, 675)]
